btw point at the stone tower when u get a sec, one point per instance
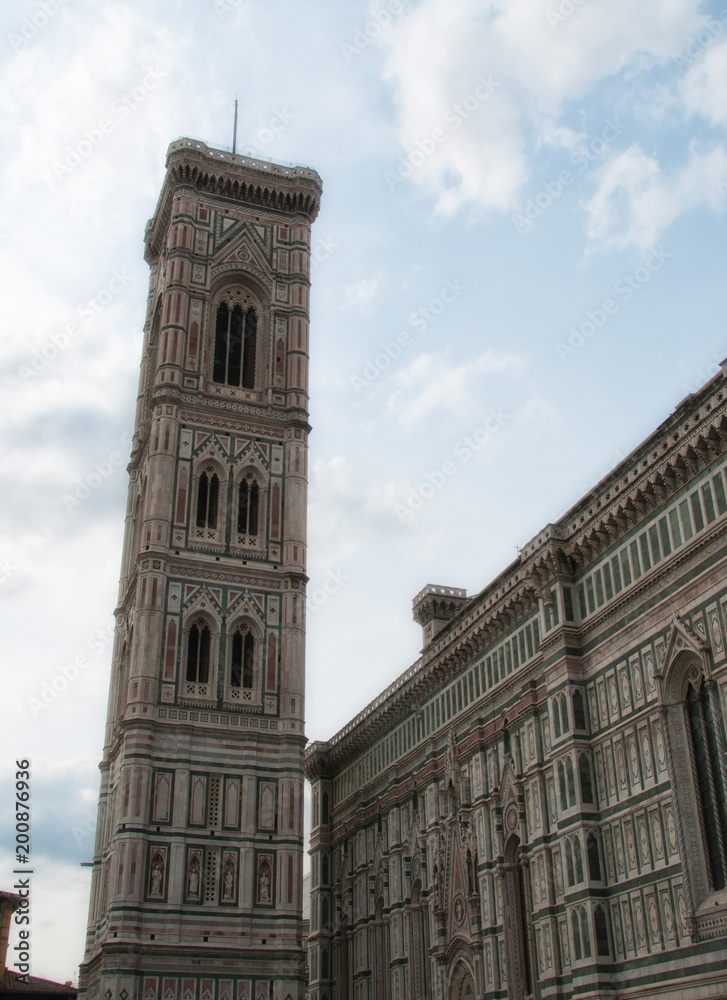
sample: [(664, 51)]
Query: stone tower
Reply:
[(197, 874)]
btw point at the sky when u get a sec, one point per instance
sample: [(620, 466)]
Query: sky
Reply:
[(519, 272)]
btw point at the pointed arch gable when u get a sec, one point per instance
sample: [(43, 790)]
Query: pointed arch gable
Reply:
[(510, 786), (683, 648), (462, 976)]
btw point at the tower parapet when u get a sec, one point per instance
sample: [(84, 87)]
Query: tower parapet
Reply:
[(434, 606)]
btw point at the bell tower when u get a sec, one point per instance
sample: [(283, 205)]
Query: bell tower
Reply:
[(197, 869)]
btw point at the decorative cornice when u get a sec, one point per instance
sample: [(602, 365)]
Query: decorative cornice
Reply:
[(258, 184)]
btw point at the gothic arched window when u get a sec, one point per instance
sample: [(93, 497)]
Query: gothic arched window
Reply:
[(584, 769), (594, 862), (562, 785), (585, 936), (235, 346), (571, 781), (248, 507), (569, 862), (198, 654), (706, 755), (579, 711), (578, 857), (243, 659), (576, 936), (208, 492), (601, 932)]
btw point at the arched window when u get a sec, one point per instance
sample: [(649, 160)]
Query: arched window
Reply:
[(578, 858), (569, 862), (601, 933), (579, 711), (243, 659), (585, 936), (576, 936), (571, 782), (706, 755), (248, 507), (324, 914), (208, 491), (694, 725), (198, 654), (561, 782), (556, 718), (324, 870), (594, 861), (584, 769), (564, 714), (235, 346), (325, 817)]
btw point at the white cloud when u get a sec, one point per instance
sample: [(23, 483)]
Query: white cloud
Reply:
[(436, 56), (704, 88), (635, 201), (429, 385), (362, 294)]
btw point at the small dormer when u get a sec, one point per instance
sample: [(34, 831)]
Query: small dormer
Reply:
[(434, 606)]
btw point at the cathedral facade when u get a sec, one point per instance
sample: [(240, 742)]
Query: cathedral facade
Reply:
[(197, 875), (537, 807)]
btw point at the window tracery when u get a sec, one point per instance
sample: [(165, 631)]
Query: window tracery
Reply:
[(235, 345)]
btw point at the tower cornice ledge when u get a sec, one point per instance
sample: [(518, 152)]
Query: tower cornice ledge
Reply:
[(274, 187)]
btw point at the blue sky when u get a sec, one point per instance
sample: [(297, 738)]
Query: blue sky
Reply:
[(520, 264)]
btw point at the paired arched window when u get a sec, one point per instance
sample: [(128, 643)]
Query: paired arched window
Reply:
[(235, 346), (198, 654), (208, 495), (574, 861)]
